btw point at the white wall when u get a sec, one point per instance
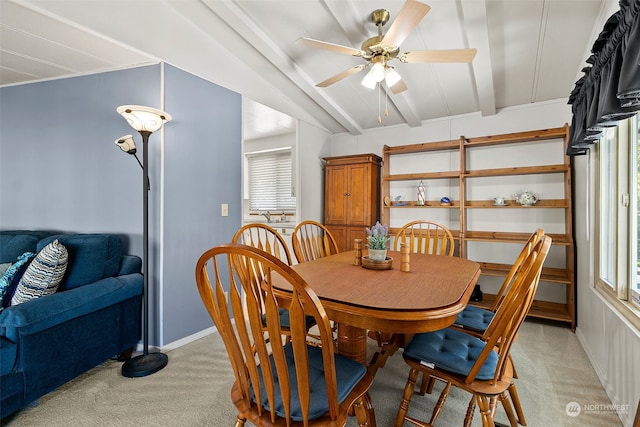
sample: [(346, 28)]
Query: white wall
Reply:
[(611, 343), (313, 145)]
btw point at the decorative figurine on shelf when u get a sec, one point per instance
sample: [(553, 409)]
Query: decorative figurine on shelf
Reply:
[(421, 194), (445, 201)]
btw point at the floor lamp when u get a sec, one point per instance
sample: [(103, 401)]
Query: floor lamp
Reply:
[(145, 120)]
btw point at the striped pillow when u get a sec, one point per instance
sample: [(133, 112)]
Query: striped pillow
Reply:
[(44, 274)]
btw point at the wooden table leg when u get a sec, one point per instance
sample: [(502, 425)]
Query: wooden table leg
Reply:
[(352, 342)]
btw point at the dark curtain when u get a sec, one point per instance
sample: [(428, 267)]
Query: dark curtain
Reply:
[(609, 91)]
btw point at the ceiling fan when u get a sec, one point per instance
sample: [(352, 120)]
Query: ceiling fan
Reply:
[(381, 49)]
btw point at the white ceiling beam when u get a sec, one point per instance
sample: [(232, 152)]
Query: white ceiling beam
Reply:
[(233, 15), (476, 25)]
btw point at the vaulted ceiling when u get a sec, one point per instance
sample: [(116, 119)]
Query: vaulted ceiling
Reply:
[(527, 51)]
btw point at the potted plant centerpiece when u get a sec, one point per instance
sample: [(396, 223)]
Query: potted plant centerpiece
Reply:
[(377, 241)]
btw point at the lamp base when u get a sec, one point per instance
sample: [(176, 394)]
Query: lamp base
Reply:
[(144, 364)]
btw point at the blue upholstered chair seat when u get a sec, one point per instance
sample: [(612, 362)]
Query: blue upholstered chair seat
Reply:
[(348, 373), (474, 318), (286, 323), (451, 350)]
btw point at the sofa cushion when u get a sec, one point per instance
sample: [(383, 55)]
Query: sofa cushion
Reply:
[(91, 257), (43, 275), (7, 279), (14, 243)]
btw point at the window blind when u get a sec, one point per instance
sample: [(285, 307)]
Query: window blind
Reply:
[(270, 182)]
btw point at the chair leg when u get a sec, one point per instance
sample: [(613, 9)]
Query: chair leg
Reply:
[(426, 385), (508, 409), (364, 411), (406, 397), (513, 393), (468, 418), (240, 421), (440, 403), (485, 411)]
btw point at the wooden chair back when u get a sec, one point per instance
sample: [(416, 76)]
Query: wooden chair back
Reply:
[(224, 276), (266, 238), (508, 280), (503, 329), (312, 240), (425, 237)]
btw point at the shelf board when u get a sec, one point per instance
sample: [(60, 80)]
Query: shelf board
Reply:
[(422, 175), (507, 237), (510, 204), (510, 138), (521, 170), (429, 204), (549, 274), (424, 146)]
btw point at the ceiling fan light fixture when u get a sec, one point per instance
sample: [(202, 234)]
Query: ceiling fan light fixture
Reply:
[(391, 76), (377, 70), (369, 81)]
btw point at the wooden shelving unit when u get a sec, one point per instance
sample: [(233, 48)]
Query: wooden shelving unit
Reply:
[(461, 181)]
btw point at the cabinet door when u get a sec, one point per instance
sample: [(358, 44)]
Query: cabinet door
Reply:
[(340, 234), (359, 195), (355, 233), (336, 198)]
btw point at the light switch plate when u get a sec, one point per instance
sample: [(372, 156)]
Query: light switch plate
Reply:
[(224, 209)]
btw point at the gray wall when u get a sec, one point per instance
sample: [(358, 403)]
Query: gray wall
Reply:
[(60, 170), (202, 170)]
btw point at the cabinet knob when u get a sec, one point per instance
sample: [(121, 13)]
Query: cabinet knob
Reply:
[(347, 194)]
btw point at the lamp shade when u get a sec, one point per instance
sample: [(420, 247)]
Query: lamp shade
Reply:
[(143, 118), (126, 144)]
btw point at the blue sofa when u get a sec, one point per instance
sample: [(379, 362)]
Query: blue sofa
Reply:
[(94, 315)]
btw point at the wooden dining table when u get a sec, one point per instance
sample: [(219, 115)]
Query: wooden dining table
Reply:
[(426, 298)]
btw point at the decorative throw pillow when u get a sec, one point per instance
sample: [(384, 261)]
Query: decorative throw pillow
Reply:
[(44, 274), (7, 277)]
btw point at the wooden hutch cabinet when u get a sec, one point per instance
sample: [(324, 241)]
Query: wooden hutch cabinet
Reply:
[(352, 196)]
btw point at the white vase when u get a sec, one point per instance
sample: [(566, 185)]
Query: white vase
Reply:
[(378, 254)]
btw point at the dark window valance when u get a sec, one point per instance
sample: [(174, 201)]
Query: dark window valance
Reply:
[(609, 91)]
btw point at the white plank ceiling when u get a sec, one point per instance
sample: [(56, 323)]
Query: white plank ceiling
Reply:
[(528, 50)]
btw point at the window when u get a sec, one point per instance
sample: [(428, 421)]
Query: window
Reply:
[(618, 217), (270, 181)]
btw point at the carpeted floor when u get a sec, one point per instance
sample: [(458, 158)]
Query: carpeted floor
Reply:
[(193, 390)]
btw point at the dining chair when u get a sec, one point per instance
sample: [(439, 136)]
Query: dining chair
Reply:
[(264, 237), (480, 367), (278, 383), (425, 237), (312, 240), (474, 320)]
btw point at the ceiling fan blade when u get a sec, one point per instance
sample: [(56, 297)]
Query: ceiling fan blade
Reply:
[(399, 87), (445, 55), (330, 46), (340, 76), (408, 18)]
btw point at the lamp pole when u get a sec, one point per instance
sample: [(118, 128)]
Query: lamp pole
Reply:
[(141, 118)]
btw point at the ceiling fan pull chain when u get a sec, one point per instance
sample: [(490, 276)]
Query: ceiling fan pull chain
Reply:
[(379, 90), (386, 102)]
